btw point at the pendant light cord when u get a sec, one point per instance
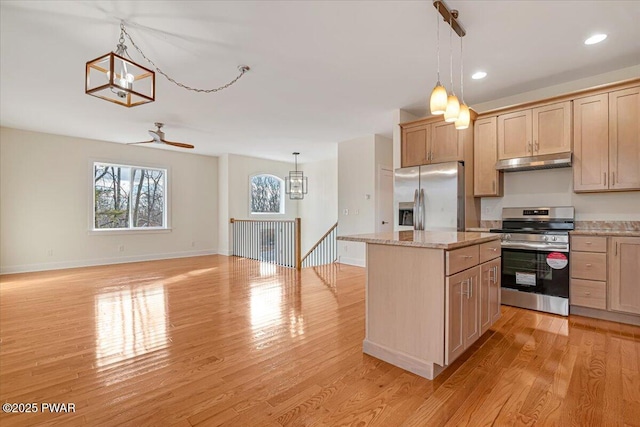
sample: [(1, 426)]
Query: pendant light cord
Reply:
[(461, 74), (438, 40), (451, 51)]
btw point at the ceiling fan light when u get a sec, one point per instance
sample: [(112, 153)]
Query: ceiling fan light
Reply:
[(464, 118), (438, 100), (453, 109)]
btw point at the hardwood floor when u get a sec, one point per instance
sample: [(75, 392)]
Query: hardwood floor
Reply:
[(226, 341)]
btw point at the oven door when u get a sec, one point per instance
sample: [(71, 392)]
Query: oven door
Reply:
[(536, 271)]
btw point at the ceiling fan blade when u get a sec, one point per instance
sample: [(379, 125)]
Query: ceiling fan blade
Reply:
[(141, 142), (178, 144)]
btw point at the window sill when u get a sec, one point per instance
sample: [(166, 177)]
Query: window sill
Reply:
[(136, 231)]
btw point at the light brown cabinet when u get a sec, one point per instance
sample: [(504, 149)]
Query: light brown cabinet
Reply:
[(588, 285), (607, 141), (487, 181), (463, 326), (536, 131), (489, 294), (431, 142), (624, 285)]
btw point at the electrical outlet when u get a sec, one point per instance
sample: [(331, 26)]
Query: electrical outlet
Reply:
[(50, 252), (193, 244), (345, 211), (121, 248), (357, 212)]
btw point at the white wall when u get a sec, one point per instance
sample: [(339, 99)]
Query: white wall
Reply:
[(319, 209), (45, 203), (234, 186), (554, 187), (358, 160)]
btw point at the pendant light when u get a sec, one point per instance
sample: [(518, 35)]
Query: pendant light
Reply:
[(296, 182), (453, 106), (438, 100), (464, 117)]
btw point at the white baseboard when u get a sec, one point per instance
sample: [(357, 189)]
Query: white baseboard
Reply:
[(358, 262), (26, 268), (227, 252)]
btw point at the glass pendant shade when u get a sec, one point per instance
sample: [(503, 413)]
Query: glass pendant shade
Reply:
[(453, 109), (464, 117), (119, 80), (438, 101)]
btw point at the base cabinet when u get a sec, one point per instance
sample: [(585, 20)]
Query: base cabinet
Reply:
[(624, 284), (605, 274), (462, 312), (489, 294)]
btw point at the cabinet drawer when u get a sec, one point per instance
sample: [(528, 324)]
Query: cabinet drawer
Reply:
[(461, 259), (590, 266), (588, 293), (588, 244), (489, 251)]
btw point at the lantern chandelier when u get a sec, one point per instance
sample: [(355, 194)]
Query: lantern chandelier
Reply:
[(296, 183), (115, 77), (440, 102)]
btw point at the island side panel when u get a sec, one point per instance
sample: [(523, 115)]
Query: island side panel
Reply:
[(405, 306)]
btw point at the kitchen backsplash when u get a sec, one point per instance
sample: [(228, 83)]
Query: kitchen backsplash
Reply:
[(582, 225), (608, 225)]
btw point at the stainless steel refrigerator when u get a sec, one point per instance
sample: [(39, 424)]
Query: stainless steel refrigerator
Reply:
[(430, 197)]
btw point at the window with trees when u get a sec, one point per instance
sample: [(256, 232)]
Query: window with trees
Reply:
[(266, 194), (129, 197)]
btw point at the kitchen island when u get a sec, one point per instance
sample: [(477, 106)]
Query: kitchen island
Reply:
[(429, 295)]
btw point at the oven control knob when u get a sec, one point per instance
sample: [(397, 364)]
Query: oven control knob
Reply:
[(545, 238), (507, 236), (554, 238)]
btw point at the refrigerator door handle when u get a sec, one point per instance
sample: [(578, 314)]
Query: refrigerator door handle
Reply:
[(422, 209), (416, 212)]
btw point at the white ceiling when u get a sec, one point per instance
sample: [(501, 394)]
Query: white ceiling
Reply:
[(321, 71)]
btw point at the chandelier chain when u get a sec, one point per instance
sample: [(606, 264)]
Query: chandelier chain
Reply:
[(123, 32)]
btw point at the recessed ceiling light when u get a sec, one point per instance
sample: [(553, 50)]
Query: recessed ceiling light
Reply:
[(596, 38), (479, 75)]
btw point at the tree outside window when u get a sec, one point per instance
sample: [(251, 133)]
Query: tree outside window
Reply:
[(266, 194), (128, 197)]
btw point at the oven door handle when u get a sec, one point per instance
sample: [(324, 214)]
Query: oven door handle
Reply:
[(545, 247)]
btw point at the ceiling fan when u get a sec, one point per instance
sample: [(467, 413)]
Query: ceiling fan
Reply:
[(158, 138)]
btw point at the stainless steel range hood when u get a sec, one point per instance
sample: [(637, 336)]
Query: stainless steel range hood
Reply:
[(547, 161)]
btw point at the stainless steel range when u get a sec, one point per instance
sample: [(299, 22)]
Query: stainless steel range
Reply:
[(535, 257)]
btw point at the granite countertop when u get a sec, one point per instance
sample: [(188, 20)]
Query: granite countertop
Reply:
[(424, 239), (606, 232)]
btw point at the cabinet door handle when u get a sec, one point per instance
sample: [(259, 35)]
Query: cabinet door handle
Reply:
[(463, 292), (588, 265), (587, 243), (493, 186), (529, 147), (613, 178), (471, 288), (616, 248), (605, 178), (587, 293), (467, 256), (537, 145)]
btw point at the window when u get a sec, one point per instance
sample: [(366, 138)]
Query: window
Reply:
[(129, 197), (266, 194)]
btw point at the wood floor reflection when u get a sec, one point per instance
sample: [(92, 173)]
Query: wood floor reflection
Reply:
[(226, 341)]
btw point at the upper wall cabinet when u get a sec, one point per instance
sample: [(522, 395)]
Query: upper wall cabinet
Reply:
[(487, 181), (536, 131), (607, 141), (431, 142)]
